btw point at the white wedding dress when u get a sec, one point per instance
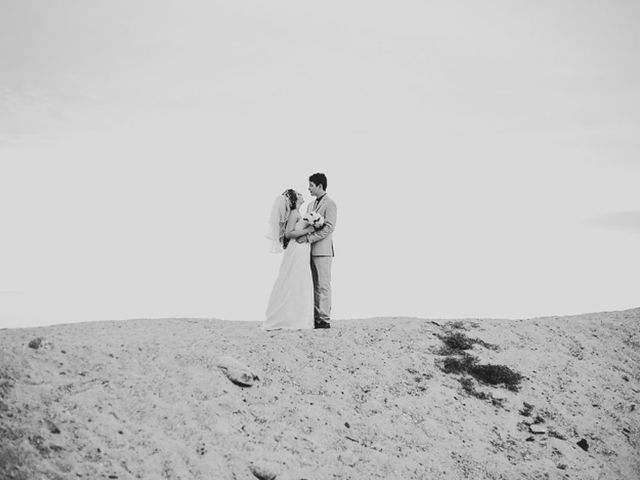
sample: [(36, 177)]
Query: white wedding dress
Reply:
[(291, 302)]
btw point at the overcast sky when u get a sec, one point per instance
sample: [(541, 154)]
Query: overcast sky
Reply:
[(484, 155)]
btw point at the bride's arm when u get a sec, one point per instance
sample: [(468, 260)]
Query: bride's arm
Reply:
[(289, 231)]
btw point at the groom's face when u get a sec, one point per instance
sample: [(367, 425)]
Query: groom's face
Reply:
[(314, 189)]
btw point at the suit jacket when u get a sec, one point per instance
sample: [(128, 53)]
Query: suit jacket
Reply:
[(322, 239)]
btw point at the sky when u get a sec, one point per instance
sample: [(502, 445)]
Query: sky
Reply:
[(484, 155)]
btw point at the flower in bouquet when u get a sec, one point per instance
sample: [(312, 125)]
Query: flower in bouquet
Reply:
[(314, 219)]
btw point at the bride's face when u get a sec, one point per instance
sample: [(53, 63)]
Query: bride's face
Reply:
[(300, 200)]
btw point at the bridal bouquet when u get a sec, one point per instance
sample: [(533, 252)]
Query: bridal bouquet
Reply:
[(314, 219)]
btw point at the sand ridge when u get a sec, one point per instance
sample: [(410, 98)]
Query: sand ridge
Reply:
[(365, 399)]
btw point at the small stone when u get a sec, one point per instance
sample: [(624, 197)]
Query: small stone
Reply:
[(262, 472), (625, 378), (36, 343), (52, 427), (346, 424), (562, 466), (237, 372), (201, 449), (529, 439), (583, 445), (537, 428)]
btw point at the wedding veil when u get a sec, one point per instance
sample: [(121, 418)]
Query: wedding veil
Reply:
[(277, 220)]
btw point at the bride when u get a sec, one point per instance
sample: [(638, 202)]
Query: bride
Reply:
[(291, 302)]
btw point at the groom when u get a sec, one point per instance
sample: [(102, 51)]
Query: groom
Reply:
[(321, 249)]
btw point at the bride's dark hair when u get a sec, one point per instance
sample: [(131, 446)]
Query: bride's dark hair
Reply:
[(292, 196)]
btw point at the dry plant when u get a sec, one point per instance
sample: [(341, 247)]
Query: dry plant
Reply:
[(456, 342), (488, 374)]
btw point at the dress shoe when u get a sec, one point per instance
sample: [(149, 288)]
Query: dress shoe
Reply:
[(322, 324)]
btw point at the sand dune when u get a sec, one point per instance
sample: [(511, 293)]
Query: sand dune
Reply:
[(366, 399)]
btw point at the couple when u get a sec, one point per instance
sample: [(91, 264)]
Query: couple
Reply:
[(301, 296)]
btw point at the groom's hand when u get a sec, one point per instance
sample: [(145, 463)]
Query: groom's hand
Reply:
[(303, 239)]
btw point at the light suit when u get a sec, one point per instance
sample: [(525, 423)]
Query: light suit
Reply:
[(322, 254)]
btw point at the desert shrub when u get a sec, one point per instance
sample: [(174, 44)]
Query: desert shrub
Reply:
[(527, 408), (496, 375), (458, 324), (469, 387), (460, 364), (455, 342), (489, 374), (538, 419)]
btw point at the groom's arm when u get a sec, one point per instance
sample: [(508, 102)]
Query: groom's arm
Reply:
[(330, 218)]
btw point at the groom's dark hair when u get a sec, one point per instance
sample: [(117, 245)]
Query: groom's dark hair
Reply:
[(319, 179)]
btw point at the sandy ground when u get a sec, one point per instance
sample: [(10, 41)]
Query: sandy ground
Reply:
[(364, 400)]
